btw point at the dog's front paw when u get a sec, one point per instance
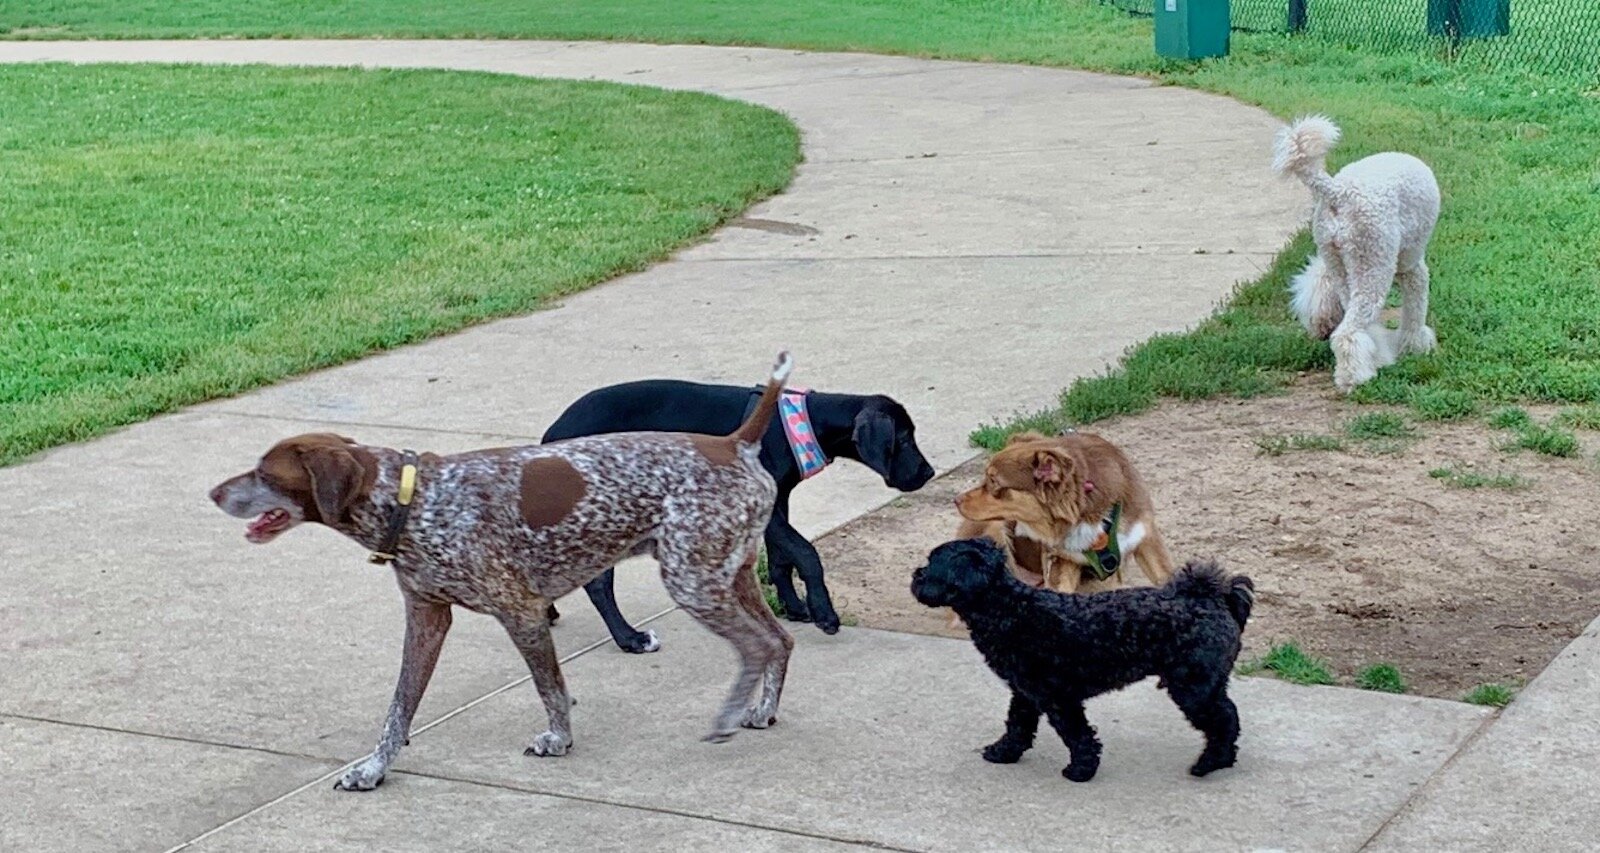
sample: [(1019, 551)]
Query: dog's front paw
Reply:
[(549, 744), (1346, 379), (1211, 762), (827, 621), (362, 777), (718, 736), (796, 612), (1355, 360), (641, 643), (759, 717), (1079, 772), (1004, 751)]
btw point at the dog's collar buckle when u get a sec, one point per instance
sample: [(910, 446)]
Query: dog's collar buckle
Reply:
[(1103, 560), (387, 548)]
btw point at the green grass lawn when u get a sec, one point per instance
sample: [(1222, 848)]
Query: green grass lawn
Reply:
[(1516, 260), (172, 234)]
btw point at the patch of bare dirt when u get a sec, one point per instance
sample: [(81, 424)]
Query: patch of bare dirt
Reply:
[(1360, 557)]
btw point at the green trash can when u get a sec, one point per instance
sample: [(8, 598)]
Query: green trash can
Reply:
[(1191, 29), (1467, 19)]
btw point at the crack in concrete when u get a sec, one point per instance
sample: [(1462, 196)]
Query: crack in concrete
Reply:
[(415, 732), (1405, 807), (518, 789), (117, 730)]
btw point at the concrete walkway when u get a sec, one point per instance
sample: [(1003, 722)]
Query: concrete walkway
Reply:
[(973, 236)]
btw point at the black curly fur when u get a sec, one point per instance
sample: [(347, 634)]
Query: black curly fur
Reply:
[(1055, 651)]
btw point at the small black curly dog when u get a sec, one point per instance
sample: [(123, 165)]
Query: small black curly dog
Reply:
[(1057, 650)]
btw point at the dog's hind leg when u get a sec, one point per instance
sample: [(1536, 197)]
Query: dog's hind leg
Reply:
[(1022, 723), (748, 593), (712, 595), (529, 628), (1211, 711), (427, 623), (1073, 726), (1415, 334)]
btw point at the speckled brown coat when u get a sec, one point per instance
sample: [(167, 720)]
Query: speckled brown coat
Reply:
[(506, 531)]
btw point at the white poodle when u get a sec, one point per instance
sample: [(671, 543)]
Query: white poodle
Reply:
[(1372, 222)]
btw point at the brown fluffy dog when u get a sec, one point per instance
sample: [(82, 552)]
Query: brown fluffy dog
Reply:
[(1069, 511)]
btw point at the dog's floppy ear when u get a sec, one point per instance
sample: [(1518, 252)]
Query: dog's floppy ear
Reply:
[(873, 436), (990, 555), (336, 479), (1053, 467), (983, 562)]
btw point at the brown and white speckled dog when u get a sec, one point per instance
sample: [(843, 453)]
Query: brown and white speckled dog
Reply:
[(505, 531)]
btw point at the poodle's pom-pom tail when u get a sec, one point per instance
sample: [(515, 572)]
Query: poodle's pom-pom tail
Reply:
[(1208, 580), (1302, 147), (1314, 301)]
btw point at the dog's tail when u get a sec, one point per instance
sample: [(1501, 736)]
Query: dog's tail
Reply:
[(1314, 301), (1206, 580), (1302, 150), (755, 426)]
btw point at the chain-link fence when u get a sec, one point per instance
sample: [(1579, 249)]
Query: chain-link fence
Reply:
[(1548, 36)]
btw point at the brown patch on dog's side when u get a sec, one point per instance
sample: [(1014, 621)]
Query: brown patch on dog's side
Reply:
[(550, 488), (720, 450), (1359, 557)]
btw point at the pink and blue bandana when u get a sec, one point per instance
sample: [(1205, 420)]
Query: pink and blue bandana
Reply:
[(797, 428)]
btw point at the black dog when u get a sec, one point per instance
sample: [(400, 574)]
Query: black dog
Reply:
[(872, 430), (1057, 650)]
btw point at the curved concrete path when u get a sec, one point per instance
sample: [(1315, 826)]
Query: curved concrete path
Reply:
[(968, 238)]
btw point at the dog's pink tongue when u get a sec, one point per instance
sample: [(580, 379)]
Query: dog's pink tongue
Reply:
[(261, 527)]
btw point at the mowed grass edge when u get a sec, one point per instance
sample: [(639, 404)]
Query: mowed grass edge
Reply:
[(176, 233), (1516, 298)]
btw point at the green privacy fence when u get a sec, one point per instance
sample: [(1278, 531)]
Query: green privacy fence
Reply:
[(1544, 36)]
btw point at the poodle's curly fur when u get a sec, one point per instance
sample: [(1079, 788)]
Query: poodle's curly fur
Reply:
[(1372, 223), (1056, 650)]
